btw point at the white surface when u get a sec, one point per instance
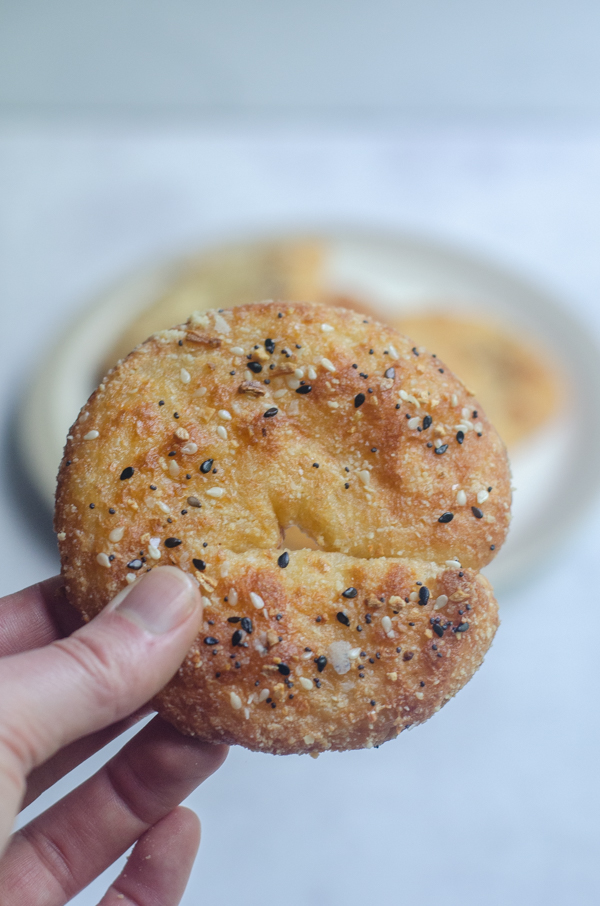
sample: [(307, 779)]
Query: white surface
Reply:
[(496, 800), (315, 58)]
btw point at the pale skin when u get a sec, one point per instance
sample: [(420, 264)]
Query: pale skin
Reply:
[(67, 690)]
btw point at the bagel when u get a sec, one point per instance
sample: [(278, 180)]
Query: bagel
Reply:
[(210, 438)]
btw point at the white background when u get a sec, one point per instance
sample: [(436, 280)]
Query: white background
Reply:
[(496, 799), (132, 128)]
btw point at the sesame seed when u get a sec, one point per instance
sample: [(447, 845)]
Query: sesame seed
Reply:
[(327, 364), (235, 701), (306, 684), (216, 492), (284, 669), (365, 476), (423, 595), (350, 592), (91, 435), (393, 352), (414, 423), (482, 496), (270, 413), (462, 628), (359, 400), (174, 469), (102, 560), (326, 328), (237, 638), (135, 564), (321, 663), (441, 449), (390, 373), (304, 389), (255, 367), (440, 602), (237, 350), (461, 498), (446, 517), (193, 501), (222, 433), (283, 560), (256, 600), (116, 534), (184, 376), (386, 624), (477, 512), (342, 618), (172, 542), (460, 436)]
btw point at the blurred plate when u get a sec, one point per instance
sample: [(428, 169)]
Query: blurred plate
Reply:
[(555, 471)]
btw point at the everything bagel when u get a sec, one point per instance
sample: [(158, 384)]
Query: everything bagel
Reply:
[(209, 439)]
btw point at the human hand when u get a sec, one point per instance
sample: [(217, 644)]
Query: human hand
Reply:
[(64, 695)]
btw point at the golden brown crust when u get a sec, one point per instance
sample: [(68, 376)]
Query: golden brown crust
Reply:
[(352, 461)]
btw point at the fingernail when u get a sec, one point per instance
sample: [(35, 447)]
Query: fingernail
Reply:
[(159, 601)]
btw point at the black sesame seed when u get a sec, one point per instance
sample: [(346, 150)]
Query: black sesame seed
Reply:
[(255, 367), (306, 388), (205, 544), (161, 402), (112, 511), (176, 415), (427, 422), (397, 405), (415, 350), (283, 560), (442, 449), (210, 640), (423, 595), (270, 346), (359, 400), (280, 314), (441, 370), (236, 638), (439, 631), (346, 485), (446, 517), (172, 453), (368, 618), (233, 619), (321, 663), (92, 506), (206, 466), (247, 624), (135, 564), (462, 628), (460, 436), (152, 487), (266, 381), (270, 412), (355, 366), (477, 512), (342, 618), (172, 542), (184, 512), (315, 465), (373, 702), (284, 669), (492, 547), (199, 564), (126, 473), (390, 373), (111, 557), (350, 592), (490, 490)]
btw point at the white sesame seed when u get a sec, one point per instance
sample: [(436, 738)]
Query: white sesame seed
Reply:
[(279, 393), (393, 352), (201, 391), (333, 404), (413, 596), (365, 476), (247, 713), (482, 496), (440, 602), (116, 534), (465, 412), (153, 552), (215, 492), (184, 376), (311, 373), (478, 427), (461, 498), (222, 432), (190, 448), (309, 739), (414, 423), (235, 701), (292, 382), (419, 695), (237, 350), (263, 695), (256, 600), (174, 469), (61, 536), (327, 364), (299, 372), (232, 597), (386, 624), (102, 559), (453, 562), (130, 578), (248, 376), (91, 435), (454, 399), (206, 602), (326, 328), (353, 653), (404, 395), (225, 415), (305, 683), (163, 506)]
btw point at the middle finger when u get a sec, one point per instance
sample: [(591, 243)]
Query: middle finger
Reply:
[(64, 849)]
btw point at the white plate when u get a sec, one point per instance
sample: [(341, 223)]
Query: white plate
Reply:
[(555, 474)]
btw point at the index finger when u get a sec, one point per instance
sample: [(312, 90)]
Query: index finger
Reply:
[(35, 617)]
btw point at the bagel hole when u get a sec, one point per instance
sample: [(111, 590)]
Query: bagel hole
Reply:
[(297, 540)]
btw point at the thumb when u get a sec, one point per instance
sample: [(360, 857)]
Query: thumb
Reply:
[(101, 673)]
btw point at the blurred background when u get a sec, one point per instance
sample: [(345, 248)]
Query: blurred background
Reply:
[(431, 160)]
